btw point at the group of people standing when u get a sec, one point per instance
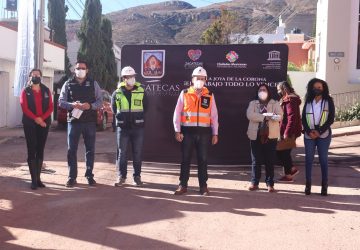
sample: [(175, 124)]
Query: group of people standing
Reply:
[(273, 127)]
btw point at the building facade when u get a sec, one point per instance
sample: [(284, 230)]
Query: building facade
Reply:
[(338, 45), (10, 109)]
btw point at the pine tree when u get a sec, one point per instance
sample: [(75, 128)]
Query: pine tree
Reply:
[(57, 13), (219, 30), (91, 44), (110, 77)]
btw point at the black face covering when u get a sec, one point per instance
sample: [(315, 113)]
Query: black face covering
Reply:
[(36, 79), (317, 92)]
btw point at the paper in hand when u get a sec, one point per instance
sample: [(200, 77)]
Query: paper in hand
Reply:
[(76, 113)]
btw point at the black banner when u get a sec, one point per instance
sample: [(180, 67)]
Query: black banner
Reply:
[(234, 73)]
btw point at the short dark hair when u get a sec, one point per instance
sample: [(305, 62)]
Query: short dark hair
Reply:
[(33, 70), (268, 90), (82, 62), (309, 91)]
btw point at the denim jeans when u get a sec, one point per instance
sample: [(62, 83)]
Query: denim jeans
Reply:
[(88, 131), (263, 154), (124, 137), (201, 142), (322, 145)]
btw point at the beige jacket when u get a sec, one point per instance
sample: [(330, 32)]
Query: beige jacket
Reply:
[(255, 118)]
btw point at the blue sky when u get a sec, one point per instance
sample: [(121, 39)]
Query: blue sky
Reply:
[(76, 6), (114, 5)]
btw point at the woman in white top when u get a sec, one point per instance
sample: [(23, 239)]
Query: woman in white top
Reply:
[(317, 116)]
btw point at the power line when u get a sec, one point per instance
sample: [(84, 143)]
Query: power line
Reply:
[(72, 7)]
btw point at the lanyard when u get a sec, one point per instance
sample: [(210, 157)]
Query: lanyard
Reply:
[(313, 112)]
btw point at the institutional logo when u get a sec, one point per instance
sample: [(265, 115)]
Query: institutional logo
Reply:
[(274, 55), (194, 54), (232, 56), (153, 63)]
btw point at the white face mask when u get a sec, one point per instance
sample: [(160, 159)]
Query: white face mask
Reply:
[(262, 95), (130, 81), (199, 84), (80, 73)]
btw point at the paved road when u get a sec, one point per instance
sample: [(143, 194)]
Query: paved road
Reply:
[(151, 217)]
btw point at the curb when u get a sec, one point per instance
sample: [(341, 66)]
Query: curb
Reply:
[(346, 134)]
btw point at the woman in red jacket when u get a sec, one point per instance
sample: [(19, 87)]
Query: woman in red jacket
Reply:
[(37, 106), (290, 129)]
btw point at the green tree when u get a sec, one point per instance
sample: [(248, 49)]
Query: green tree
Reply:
[(109, 77), (219, 30), (57, 14), (91, 44)]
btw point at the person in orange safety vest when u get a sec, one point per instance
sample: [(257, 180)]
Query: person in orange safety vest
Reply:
[(196, 124)]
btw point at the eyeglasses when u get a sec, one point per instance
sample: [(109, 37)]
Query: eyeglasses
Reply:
[(81, 68)]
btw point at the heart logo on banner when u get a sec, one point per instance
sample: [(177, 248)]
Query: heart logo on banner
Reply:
[(194, 55)]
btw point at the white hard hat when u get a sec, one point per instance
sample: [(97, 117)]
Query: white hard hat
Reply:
[(199, 71), (128, 71)]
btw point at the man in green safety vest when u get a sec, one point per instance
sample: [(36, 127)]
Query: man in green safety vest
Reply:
[(129, 104)]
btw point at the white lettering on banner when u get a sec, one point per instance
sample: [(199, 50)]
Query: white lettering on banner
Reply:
[(163, 89)]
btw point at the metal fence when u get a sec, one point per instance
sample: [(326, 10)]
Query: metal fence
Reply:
[(343, 101)]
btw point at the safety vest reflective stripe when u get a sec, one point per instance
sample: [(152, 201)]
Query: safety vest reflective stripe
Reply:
[(194, 124), (310, 119), (132, 110), (197, 109), (195, 114)]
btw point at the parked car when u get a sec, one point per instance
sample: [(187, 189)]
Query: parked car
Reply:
[(104, 114)]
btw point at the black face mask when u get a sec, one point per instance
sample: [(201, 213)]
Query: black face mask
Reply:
[(36, 80), (317, 92), (280, 94)]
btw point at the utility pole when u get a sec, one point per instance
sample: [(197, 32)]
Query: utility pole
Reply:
[(39, 37)]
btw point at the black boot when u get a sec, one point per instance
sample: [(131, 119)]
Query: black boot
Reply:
[(324, 187), (33, 173), (308, 188), (39, 167)]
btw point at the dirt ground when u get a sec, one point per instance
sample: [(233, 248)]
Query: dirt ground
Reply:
[(151, 217)]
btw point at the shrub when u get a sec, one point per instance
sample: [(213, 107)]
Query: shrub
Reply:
[(351, 114)]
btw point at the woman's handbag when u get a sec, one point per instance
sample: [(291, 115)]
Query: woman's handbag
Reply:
[(286, 143)]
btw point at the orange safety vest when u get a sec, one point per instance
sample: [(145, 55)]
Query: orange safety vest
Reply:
[(196, 110)]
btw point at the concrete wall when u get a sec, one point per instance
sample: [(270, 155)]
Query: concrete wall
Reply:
[(300, 80), (335, 34)]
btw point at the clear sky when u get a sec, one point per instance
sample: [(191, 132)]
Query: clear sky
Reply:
[(114, 5), (76, 7)]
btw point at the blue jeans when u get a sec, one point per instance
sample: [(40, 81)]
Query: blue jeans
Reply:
[(322, 145), (201, 143), (136, 137), (263, 154), (88, 131)]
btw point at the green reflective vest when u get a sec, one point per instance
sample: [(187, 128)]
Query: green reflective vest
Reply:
[(130, 114), (310, 117)]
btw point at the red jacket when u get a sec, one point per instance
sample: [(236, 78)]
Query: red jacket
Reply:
[(291, 122)]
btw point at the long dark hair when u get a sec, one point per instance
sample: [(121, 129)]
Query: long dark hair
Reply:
[(309, 97), (268, 90)]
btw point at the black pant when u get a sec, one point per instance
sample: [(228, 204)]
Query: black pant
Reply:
[(285, 160), (201, 142), (263, 154), (35, 140)]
